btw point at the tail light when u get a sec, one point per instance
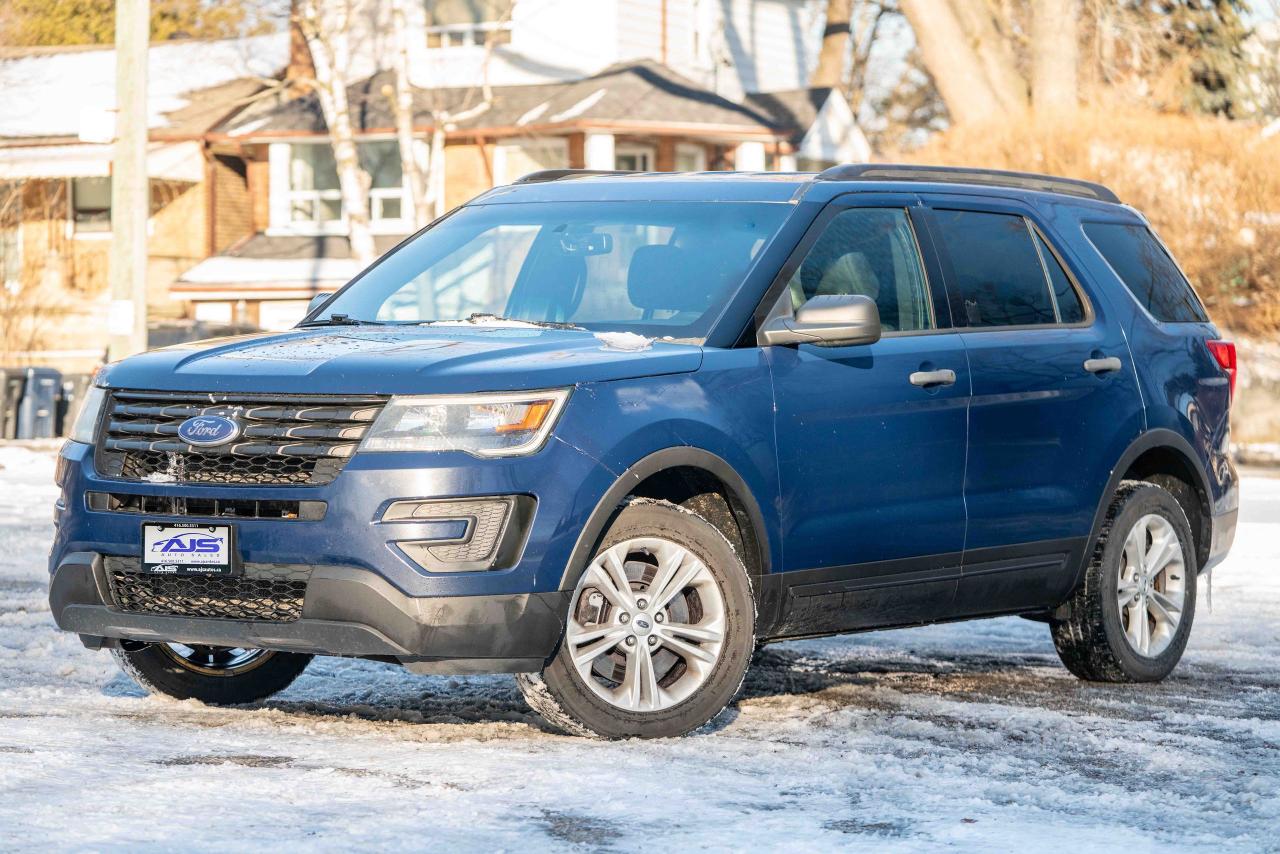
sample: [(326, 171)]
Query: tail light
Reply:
[(1224, 352)]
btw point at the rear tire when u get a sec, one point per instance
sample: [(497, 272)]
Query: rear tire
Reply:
[(663, 650), (218, 676), (1130, 618)]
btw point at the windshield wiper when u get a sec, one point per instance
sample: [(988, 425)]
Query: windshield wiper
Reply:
[(341, 320), (481, 318)]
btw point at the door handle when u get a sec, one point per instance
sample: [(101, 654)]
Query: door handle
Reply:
[(925, 379), (1102, 366)]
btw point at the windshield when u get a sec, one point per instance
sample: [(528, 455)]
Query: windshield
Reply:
[(653, 268)]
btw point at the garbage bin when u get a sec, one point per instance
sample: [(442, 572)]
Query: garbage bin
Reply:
[(73, 388), (38, 412), (11, 383)]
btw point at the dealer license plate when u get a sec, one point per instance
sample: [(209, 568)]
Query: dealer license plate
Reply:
[(188, 549)]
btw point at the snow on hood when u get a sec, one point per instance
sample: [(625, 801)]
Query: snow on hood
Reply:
[(627, 341), (453, 359)]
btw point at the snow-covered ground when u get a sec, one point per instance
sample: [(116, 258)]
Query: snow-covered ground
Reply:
[(968, 736)]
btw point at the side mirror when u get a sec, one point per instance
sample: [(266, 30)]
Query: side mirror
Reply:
[(836, 320), (316, 301)]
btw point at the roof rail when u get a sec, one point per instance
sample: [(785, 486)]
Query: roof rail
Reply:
[(965, 175), (545, 175)]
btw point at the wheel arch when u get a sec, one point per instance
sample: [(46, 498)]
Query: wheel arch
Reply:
[(675, 474), (1163, 457)]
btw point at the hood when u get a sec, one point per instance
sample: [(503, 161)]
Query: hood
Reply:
[(436, 359)]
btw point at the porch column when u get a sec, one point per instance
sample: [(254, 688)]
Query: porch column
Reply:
[(598, 151), (750, 157)]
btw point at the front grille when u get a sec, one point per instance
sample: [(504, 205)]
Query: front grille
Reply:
[(271, 593), (220, 508), (302, 440)]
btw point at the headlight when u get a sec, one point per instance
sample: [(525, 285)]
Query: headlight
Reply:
[(86, 423), (484, 425)]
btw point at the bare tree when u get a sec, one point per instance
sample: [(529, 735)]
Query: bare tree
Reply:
[(952, 60), (428, 185), (829, 73), (994, 49), (401, 95), (326, 24), (1055, 55)]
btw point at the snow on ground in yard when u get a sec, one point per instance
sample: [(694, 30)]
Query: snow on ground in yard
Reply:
[(968, 735)]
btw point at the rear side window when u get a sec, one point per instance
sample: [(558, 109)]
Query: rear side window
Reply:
[(1147, 271), (997, 278)]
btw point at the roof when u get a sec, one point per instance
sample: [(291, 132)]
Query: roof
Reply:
[(631, 94), (303, 265), (50, 93), (793, 108)]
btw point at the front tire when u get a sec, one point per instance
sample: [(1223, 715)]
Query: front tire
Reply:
[(219, 676), (1130, 618), (659, 633)]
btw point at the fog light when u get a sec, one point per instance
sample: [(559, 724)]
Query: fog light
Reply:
[(493, 536)]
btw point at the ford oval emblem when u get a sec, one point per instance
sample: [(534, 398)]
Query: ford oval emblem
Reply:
[(205, 431)]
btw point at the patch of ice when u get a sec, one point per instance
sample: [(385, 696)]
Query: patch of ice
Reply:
[(629, 341), (160, 477)]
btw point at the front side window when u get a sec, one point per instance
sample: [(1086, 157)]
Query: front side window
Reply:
[(1147, 271), (997, 278), (654, 268), (314, 193), (872, 252), (91, 204)]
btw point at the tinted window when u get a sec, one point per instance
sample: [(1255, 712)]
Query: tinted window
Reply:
[(868, 251), (997, 278), (1147, 271), (1070, 309)]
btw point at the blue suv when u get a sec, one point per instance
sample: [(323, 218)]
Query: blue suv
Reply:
[(611, 431)]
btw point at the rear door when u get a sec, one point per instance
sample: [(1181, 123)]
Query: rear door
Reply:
[(870, 453), (1055, 401)]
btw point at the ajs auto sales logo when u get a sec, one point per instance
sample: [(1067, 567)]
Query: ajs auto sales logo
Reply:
[(187, 544)]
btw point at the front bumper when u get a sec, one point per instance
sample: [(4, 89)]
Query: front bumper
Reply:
[(348, 611)]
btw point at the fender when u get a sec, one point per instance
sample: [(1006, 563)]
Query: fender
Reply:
[(1158, 438), (667, 458)]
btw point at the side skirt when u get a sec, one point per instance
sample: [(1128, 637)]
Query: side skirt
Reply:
[(917, 591)]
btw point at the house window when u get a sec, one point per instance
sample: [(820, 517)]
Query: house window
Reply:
[(691, 158), (468, 23), (314, 193), (633, 158), (91, 205)]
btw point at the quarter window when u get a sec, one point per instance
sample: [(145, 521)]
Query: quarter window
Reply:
[(868, 251), (996, 279), (1147, 271)]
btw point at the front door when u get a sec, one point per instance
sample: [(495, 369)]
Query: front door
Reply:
[(871, 438), (1055, 402)]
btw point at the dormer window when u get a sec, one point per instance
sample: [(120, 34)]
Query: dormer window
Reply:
[(468, 23)]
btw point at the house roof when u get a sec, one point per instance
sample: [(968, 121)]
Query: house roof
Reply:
[(796, 109), (634, 94), (293, 266), (49, 94)]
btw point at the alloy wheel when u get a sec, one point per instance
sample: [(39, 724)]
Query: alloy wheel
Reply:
[(647, 624), (1151, 590), (214, 660)]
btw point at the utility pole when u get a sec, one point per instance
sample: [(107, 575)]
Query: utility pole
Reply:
[(130, 191)]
